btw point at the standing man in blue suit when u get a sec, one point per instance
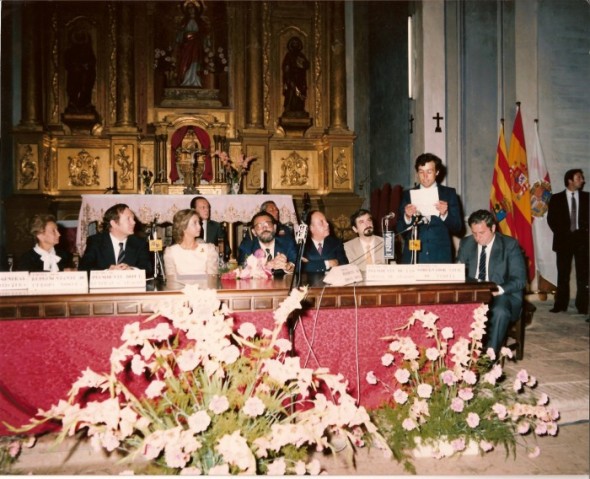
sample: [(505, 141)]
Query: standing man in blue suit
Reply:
[(435, 231), (323, 250), (492, 256), (116, 247)]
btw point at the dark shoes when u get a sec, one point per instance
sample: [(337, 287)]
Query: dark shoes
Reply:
[(555, 309)]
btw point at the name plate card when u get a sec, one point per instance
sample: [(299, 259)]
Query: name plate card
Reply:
[(14, 281), (60, 282), (118, 280), (415, 273)]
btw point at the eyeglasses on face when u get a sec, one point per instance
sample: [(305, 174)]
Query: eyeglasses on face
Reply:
[(263, 224)]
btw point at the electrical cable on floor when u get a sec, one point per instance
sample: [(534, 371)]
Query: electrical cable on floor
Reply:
[(314, 327)]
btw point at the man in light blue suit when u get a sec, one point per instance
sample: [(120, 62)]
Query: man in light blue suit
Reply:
[(502, 263), (435, 231)]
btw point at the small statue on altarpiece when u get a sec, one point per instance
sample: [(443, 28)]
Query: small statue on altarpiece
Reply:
[(295, 66)]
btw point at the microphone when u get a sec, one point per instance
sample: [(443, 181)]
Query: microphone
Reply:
[(420, 220), (388, 237), (301, 233)]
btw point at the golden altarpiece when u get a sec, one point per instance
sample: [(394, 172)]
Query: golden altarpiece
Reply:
[(115, 91)]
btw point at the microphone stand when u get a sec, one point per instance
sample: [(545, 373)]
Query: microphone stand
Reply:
[(301, 237)]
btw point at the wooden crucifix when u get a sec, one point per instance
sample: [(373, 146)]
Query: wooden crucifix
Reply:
[(438, 118)]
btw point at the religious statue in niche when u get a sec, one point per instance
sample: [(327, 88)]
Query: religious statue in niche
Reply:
[(294, 68), (80, 65), (192, 40)]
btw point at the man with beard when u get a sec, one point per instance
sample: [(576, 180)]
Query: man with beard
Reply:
[(366, 248), (281, 251)]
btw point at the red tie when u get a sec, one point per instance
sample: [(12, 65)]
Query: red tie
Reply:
[(320, 248)]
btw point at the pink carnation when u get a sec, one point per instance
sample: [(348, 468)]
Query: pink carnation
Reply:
[(457, 404)]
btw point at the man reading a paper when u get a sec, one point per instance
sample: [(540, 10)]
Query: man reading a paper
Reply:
[(434, 210), (116, 247)]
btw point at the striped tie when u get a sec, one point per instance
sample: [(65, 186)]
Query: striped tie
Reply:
[(481, 275), (268, 255), (121, 257)]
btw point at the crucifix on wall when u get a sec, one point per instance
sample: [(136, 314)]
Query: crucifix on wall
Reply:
[(438, 118)]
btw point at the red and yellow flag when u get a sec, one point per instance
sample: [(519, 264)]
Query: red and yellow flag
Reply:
[(500, 194), (520, 188)]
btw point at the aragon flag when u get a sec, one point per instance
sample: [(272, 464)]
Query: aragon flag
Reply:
[(500, 194), (521, 197)]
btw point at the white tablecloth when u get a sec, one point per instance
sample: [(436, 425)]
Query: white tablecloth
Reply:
[(229, 208)]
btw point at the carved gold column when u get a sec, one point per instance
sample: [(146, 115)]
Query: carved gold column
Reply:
[(338, 70), (254, 81), (125, 68), (31, 60)]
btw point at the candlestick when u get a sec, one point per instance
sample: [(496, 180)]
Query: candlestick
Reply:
[(262, 179), (111, 177)]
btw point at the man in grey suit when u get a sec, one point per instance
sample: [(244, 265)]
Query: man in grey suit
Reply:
[(366, 248), (494, 257)]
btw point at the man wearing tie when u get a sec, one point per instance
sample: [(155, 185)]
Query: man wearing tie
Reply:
[(366, 248), (212, 230), (323, 250), (116, 247), (568, 219), (494, 257), (281, 251)]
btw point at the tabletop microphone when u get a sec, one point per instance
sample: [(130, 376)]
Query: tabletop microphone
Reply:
[(388, 237)]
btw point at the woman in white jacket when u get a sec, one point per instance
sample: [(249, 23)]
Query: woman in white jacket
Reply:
[(189, 255)]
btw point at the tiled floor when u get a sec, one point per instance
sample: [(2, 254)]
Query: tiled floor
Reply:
[(557, 352)]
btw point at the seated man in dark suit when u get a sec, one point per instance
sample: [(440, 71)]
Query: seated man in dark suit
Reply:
[(492, 256), (281, 251), (212, 230), (323, 250), (116, 247)]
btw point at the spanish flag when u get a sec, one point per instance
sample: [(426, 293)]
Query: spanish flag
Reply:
[(500, 194), (521, 196)]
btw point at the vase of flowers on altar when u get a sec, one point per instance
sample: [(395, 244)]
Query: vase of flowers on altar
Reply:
[(448, 399), (147, 180), (234, 170), (189, 392)]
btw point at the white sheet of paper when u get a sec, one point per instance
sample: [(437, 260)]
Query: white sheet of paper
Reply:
[(425, 200)]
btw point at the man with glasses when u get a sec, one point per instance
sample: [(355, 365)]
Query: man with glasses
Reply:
[(281, 251)]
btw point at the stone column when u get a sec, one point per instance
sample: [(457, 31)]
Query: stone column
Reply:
[(338, 69), (254, 80), (31, 58), (125, 68)]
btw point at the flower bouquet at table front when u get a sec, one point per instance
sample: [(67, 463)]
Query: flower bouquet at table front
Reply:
[(447, 399), (217, 400), (256, 268)]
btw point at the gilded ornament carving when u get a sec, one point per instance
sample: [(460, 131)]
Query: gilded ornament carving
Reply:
[(54, 70), (266, 61), (341, 173), (294, 170), (112, 62), (317, 64), (29, 166), (83, 169), (126, 167)]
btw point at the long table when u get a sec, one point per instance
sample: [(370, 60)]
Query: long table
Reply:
[(46, 341)]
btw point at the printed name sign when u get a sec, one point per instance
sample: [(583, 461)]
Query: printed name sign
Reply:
[(415, 273), (14, 281), (117, 280), (59, 282)]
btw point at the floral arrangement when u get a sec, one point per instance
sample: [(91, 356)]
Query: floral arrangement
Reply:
[(234, 170), (10, 449), (147, 178), (451, 398), (215, 61), (164, 60), (217, 400), (256, 268)]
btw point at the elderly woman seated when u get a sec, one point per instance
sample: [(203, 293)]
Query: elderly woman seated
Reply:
[(190, 255), (45, 256)]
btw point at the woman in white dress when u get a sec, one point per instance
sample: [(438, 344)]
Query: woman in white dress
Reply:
[(189, 255)]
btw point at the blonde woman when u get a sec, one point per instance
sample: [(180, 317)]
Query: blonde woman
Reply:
[(190, 254), (44, 256)]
